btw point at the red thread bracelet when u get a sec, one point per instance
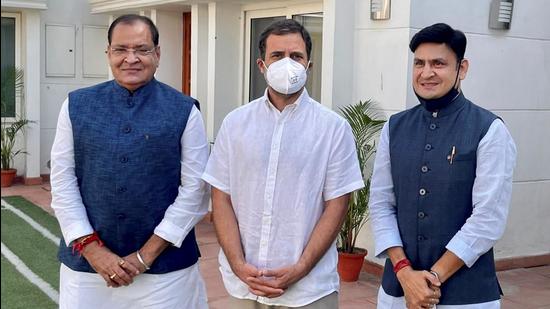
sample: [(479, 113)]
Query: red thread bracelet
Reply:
[(401, 264), (80, 245)]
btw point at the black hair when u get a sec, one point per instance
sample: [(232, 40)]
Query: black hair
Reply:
[(283, 27), (441, 33), (130, 19)]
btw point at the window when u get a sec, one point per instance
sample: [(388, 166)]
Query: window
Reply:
[(9, 63)]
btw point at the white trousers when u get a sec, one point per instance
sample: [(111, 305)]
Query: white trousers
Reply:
[(386, 301), (178, 289)]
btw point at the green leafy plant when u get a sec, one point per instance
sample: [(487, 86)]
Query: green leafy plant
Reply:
[(12, 80), (366, 125)]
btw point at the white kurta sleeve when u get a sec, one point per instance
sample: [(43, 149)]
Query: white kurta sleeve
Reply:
[(382, 199), (191, 204), (491, 194), (218, 168), (343, 174), (66, 200)]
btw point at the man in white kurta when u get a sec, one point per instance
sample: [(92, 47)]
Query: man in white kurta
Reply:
[(281, 171), (126, 184)]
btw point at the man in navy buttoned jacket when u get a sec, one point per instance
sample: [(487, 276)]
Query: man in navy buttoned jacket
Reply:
[(441, 187), (126, 184)]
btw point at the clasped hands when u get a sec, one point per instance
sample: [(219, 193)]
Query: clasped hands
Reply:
[(422, 289), (116, 271), (269, 282)]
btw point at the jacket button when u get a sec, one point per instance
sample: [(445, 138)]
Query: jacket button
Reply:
[(121, 189), (424, 169), (420, 238), (127, 129), (428, 147), (120, 216), (421, 215), (422, 191), (124, 159), (433, 126)]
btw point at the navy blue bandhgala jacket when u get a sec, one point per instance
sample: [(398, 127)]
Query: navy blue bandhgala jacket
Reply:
[(434, 197), (127, 154)]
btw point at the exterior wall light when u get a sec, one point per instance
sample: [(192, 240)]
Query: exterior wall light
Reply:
[(380, 9), (500, 16)]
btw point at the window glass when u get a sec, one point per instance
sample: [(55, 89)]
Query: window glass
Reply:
[(7, 66)]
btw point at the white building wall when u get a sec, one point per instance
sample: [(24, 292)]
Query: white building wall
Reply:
[(54, 90), (509, 73), (381, 62)]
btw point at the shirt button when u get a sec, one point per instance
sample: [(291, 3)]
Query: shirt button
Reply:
[(433, 126), (120, 216), (420, 238), (428, 147), (124, 159), (130, 103), (127, 129), (421, 215), (424, 169), (121, 189), (422, 191)]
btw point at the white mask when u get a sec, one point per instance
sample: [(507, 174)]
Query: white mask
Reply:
[(286, 76)]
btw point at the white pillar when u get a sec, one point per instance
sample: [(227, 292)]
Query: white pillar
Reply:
[(199, 58), (224, 63), (338, 47), (31, 59)]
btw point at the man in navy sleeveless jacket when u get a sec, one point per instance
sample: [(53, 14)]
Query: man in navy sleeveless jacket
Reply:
[(126, 184), (441, 187)]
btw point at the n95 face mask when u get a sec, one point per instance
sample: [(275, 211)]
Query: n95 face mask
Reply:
[(286, 76)]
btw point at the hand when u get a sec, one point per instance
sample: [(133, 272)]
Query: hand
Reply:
[(280, 278), (421, 288), (108, 265), (246, 272), (133, 264)]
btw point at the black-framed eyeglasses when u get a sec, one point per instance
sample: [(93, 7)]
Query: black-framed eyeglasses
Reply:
[(124, 52)]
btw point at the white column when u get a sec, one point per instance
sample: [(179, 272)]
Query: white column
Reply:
[(224, 63), (31, 60), (199, 58), (211, 72), (338, 48)]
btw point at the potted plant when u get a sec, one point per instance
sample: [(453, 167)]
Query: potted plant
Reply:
[(12, 79), (366, 124)]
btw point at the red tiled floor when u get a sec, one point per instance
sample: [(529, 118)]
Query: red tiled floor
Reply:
[(525, 288)]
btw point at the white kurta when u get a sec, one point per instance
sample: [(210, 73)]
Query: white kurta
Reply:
[(279, 169), (491, 194), (188, 209)]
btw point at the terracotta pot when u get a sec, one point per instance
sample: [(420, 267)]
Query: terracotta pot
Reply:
[(8, 176), (350, 264)]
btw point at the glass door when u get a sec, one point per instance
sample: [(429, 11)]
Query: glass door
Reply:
[(311, 17)]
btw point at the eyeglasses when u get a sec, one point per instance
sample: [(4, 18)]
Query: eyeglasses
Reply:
[(121, 51)]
